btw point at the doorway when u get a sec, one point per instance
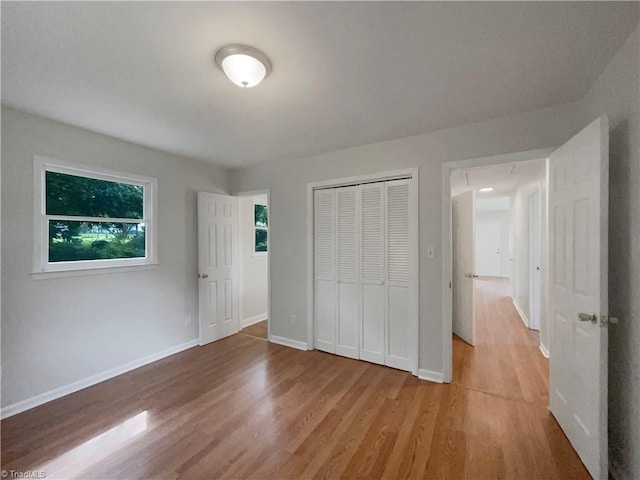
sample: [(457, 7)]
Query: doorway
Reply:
[(253, 217), (233, 265), (496, 240)]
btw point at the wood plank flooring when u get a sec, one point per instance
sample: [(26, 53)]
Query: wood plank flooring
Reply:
[(245, 408), (258, 330)]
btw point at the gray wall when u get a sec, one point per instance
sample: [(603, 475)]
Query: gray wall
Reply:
[(287, 181), (62, 330), (617, 94)]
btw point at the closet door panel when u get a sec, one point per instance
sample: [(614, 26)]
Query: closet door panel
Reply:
[(325, 270), (399, 338), (348, 311), (372, 272), (372, 347), (347, 250), (398, 354)]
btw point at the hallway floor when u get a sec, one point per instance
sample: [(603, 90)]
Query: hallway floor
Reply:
[(506, 360)]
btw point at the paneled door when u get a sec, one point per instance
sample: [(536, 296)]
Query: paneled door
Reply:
[(463, 287), (578, 308), (217, 266)]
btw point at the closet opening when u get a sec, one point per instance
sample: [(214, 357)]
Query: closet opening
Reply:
[(363, 268)]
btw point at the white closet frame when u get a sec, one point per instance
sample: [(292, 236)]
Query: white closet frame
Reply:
[(412, 175)]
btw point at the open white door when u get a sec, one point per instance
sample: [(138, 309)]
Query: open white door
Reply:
[(578, 307), (218, 266), (535, 261), (463, 265)]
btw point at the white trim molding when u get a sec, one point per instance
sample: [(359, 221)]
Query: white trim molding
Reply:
[(288, 342), (518, 308), (430, 375), (253, 320), (56, 393), (544, 350)]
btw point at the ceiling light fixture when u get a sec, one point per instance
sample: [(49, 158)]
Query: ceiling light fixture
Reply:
[(245, 66), (486, 189)]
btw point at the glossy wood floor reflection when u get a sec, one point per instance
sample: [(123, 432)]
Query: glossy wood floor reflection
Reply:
[(245, 408), (258, 330)]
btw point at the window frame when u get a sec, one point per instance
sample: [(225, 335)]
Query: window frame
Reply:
[(253, 221), (41, 263)]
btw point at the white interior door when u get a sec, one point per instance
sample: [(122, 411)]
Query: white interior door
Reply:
[(578, 209), (535, 261), (488, 248), (324, 214), (348, 304), (463, 265), (218, 266)]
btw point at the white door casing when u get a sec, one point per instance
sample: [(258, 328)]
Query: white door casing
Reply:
[(463, 237), (218, 266), (578, 242)]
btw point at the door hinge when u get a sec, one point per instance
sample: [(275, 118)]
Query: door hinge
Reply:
[(607, 320)]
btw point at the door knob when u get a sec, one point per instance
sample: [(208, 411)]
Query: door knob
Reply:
[(471, 275), (203, 275), (588, 317)]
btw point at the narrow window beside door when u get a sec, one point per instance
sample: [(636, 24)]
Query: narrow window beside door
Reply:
[(260, 228)]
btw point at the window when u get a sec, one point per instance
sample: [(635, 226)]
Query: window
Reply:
[(260, 228), (88, 218)]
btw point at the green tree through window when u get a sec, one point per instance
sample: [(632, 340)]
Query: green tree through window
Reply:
[(92, 238), (261, 227)]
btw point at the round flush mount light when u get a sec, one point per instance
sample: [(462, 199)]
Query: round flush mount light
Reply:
[(486, 190), (245, 66)]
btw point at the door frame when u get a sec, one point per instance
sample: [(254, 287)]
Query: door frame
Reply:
[(534, 324), (411, 173), (251, 193), (447, 238)]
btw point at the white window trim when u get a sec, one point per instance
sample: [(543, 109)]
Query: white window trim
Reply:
[(42, 268), (253, 221)]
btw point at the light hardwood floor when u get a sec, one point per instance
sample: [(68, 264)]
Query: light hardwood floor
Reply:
[(258, 330), (245, 408)]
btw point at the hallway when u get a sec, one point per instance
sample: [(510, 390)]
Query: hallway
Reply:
[(506, 360)]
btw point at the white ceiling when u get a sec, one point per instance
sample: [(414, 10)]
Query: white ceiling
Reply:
[(344, 73), (503, 178)]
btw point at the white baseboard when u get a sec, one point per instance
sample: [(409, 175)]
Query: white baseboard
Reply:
[(287, 342), (424, 374), (253, 320), (520, 312), (45, 397), (544, 350)]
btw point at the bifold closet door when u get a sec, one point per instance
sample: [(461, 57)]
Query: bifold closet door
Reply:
[(372, 273), (348, 304), (398, 352), (324, 206)]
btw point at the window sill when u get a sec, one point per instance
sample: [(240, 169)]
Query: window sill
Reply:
[(259, 254), (92, 271)]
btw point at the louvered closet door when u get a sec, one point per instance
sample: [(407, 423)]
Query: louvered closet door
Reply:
[(399, 336), (348, 313), (372, 273), (325, 272)]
